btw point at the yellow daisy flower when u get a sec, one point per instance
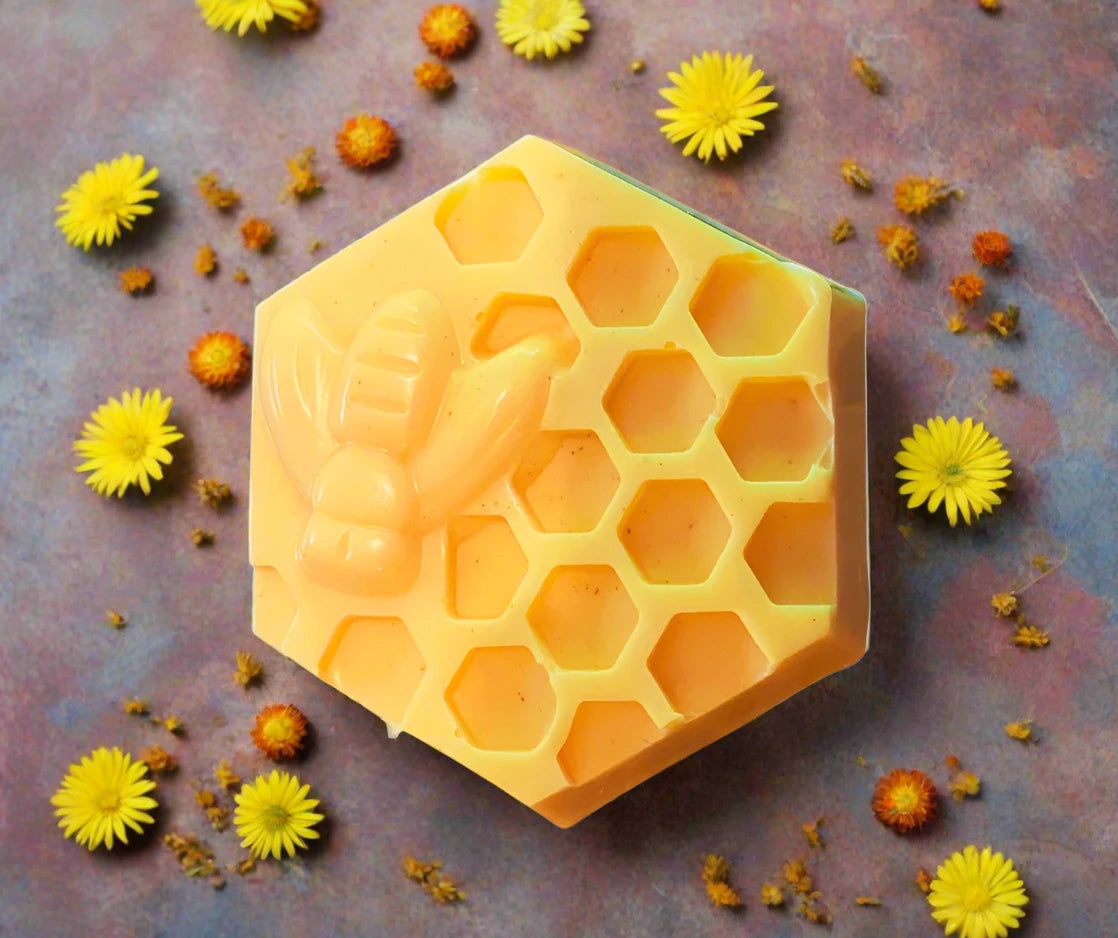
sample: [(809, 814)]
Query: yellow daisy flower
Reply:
[(225, 14), (274, 815), (977, 895), (957, 464), (535, 27), (125, 441), (105, 199), (100, 797), (717, 101)]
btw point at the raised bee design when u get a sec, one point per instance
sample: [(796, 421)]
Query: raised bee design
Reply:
[(393, 435)]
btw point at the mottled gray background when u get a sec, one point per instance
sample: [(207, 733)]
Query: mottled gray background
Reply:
[(1019, 109)]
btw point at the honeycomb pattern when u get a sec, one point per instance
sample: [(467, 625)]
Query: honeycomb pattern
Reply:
[(656, 533)]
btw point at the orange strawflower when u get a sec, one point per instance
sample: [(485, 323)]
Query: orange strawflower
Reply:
[(279, 731), (866, 74), (219, 198), (904, 800), (914, 195), (433, 76), (967, 288), (256, 233), (447, 29), (136, 280), (365, 140), (901, 245), (219, 360), (308, 19), (991, 248), (1003, 379), (206, 261), (855, 175)]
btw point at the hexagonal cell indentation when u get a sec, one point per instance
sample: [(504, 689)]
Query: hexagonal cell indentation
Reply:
[(622, 276), (604, 733), (375, 661), (705, 658), (749, 305), (584, 616), (566, 480), (659, 401), (674, 530), (792, 554), (484, 566), (502, 698), (774, 431), (490, 217), (515, 316)]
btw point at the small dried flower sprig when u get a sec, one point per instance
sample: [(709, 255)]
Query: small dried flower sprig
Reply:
[(904, 800), (637, 66), (902, 247), (841, 230), (1004, 322), (280, 731), (811, 905), (914, 195), (226, 777), (990, 6), (213, 493), (195, 858), (240, 275), (440, 887), (923, 880), (115, 619), (967, 288), (216, 196), (172, 724), (716, 878), (772, 895), (853, 173), (249, 670), (1003, 379), (205, 261), (242, 867), (365, 140), (216, 814), (866, 74), (433, 76), (135, 707), (1020, 729), (136, 280), (1004, 604), (867, 901), (991, 248), (811, 832), (302, 181), (447, 29), (200, 537), (256, 233), (158, 759), (956, 323), (962, 783)]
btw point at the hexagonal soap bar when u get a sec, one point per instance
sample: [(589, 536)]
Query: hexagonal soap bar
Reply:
[(560, 477)]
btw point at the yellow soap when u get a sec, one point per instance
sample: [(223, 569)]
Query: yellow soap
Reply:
[(560, 477)]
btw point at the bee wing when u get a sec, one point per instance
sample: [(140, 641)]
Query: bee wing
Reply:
[(299, 363)]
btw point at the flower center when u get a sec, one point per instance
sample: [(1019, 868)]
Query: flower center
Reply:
[(274, 818), (132, 446), (976, 897), (108, 801), (906, 800), (218, 356), (952, 474), (278, 730)]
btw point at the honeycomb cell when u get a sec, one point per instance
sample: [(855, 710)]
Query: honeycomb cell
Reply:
[(792, 553), (584, 616), (374, 661), (502, 698), (659, 401), (749, 305), (273, 607), (515, 316), (774, 431), (484, 566), (705, 658), (622, 276), (674, 530), (491, 217), (604, 733), (566, 481)]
